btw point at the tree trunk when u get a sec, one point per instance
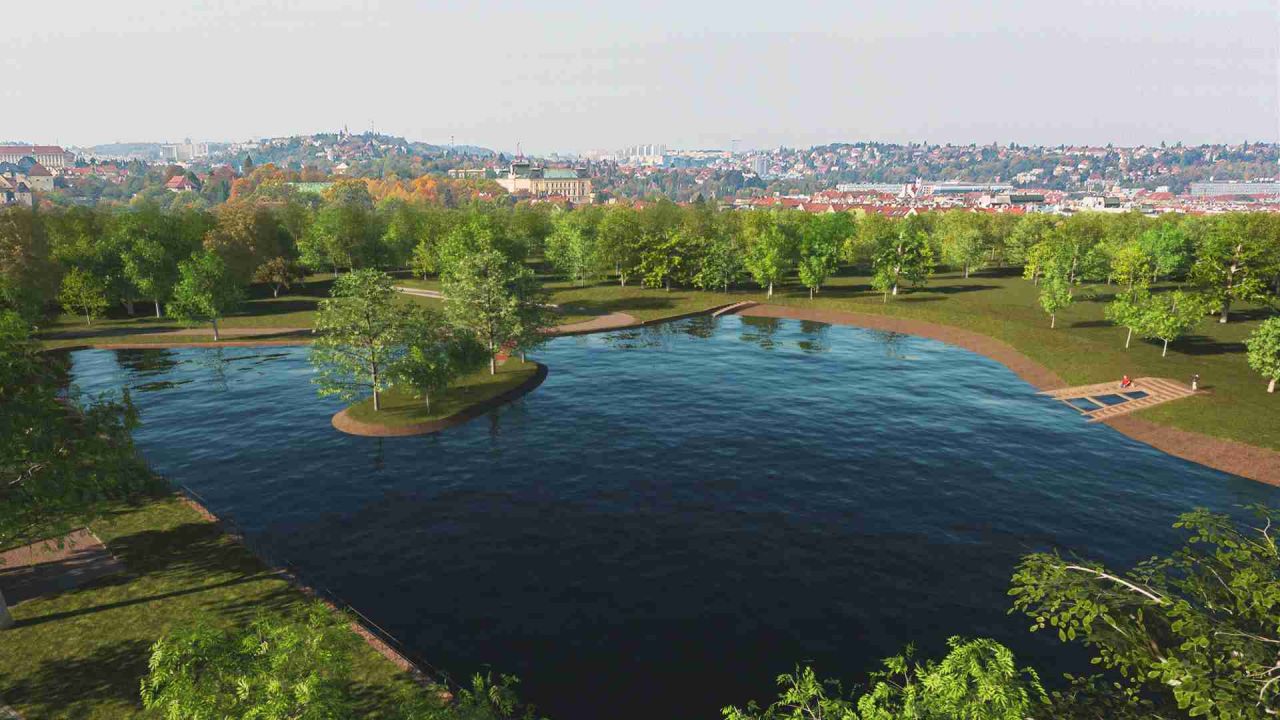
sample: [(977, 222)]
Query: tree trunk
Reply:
[(157, 307), (1165, 351), (275, 291), (770, 293), (1053, 320), (426, 398), (1128, 338), (377, 401), (215, 330), (128, 306), (1226, 310), (895, 289), (886, 297), (810, 293), (6, 620), (1271, 387), (493, 364), (88, 319), (966, 272)]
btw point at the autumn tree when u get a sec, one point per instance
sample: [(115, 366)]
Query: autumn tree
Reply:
[(280, 273)]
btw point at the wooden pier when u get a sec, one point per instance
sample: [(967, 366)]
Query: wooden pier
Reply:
[(1143, 393)]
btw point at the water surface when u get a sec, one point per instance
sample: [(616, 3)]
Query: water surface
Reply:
[(679, 512)]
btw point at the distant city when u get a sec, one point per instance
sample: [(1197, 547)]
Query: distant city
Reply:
[(876, 177)]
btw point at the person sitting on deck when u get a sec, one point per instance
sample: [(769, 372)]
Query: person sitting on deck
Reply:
[(1125, 382)]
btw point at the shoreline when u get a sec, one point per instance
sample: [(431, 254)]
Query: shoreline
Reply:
[(1237, 458), (345, 423)]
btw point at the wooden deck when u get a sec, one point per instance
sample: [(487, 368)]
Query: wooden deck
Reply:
[(1085, 397)]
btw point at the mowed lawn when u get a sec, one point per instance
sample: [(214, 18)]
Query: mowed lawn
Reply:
[(1085, 347), (400, 408), (81, 654)]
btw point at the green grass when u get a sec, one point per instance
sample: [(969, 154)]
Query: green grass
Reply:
[(82, 653), (401, 408), (1085, 348), (583, 303)]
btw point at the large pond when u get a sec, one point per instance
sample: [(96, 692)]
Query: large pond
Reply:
[(680, 512)]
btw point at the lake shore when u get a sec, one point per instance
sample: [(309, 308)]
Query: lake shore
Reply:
[(1248, 461)]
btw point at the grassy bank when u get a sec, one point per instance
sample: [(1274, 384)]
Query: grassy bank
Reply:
[(1085, 348), (401, 408), (82, 653)]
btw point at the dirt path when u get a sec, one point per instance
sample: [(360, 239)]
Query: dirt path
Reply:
[(612, 321), (42, 569), (1248, 461)]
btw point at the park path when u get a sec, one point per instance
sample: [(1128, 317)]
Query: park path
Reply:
[(612, 321), (433, 294), (54, 566)]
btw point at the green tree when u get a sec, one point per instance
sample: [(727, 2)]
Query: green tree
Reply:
[(722, 264), (1195, 630), (1264, 351), (1230, 263), (977, 680), (57, 467), (906, 258), (619, 235), (435, 354), (820, 242), (489, 294), (84, 294), (1055, 296), (572, 247), (1169, 316), (963, 243), (206, 291), (1127, 309), (28, 275), (1169, 248), (278, 668), (769, 249), (359, 337), (1131, 266)]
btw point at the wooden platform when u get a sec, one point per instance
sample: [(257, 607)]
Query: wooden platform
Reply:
[(1084, 398)]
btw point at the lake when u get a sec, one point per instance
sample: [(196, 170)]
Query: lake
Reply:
[(681, 511)]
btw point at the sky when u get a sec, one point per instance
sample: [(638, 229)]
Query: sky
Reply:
[(599, 74)]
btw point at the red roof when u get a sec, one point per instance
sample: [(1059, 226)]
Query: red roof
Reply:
[(29, 149), (180, 182)]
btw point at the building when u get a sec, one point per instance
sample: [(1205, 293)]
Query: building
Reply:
[(186, 151), (523, 177), (468, 173), (52, 157), (180, 183), (13, 192), (1266, 188)]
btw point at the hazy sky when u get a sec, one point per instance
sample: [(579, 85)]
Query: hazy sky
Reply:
[(575, 76)]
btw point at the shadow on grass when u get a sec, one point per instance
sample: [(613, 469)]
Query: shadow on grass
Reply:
[(52, 617), (192, 548), (624, 304), (57, 688), (1205, 345)]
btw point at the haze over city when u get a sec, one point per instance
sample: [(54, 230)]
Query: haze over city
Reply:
[(575, 76)]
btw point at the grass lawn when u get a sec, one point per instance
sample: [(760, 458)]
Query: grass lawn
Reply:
[(400, 408), (82, 653), (1085, 347)]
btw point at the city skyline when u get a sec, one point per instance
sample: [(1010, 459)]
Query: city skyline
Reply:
[(577, 77)]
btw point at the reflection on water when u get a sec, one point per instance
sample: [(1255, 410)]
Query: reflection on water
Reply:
[(691, 506)]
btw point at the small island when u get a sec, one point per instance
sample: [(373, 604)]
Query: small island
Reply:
[(404, 413)]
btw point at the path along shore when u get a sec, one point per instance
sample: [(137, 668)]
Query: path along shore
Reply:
[(1248, 461)]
